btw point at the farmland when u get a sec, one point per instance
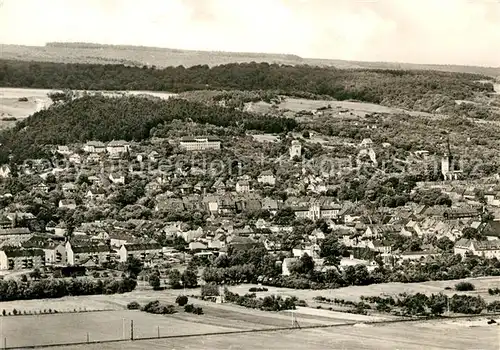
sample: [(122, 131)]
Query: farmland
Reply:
[(353, 293), (429, 335)]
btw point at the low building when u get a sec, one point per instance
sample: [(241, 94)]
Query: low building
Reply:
[(487, 249), (267, 178), (242, 186), (117, 147), (94, 147), (21, 259), (200, 143), (316, 212), (77, 254), (67, 204), (140, 251), (117, 178)]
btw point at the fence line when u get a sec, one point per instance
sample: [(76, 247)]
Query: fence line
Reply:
[(263, 330)]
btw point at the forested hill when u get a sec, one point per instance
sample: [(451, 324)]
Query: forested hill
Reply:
[(388, 87), (128, 118)]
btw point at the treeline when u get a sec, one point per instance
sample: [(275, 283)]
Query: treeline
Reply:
[(396, 88), (434, 305), (268, 303), (58, 288), (128, 118)]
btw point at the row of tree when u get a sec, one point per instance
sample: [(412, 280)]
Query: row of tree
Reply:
[(58, 288)]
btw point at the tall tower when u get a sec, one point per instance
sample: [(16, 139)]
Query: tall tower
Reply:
[(295, 149)]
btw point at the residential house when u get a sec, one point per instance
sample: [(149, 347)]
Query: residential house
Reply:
[(219, 186), (8, 233), (191, 235), (64, 150), (141, 251), (69, 188), (267, 178), (118, 239), (80, 252), (117, 147), (21, 259), (312, 250), (492, 198), (5, 171), (41, 188), (200, 143), (67, 204), (117, 178), (242, 186), (94, 147), (197, 246), (295, 149), (96, 194), (93, 158), (55, 252), (75, 158), (271, 205)]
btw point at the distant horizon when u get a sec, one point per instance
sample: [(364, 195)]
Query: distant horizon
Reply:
[(443, 32), (48, 44)]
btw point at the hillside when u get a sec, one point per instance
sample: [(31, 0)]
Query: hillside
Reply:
[(129, 118), (415, 90), (164, 57)]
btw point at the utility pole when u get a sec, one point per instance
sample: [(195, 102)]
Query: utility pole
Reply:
[(158, 327), (131, 329)]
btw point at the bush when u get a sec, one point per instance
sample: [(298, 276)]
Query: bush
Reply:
[(301, 303), (198, 311), (493, 291), (4, 312), (181, 300), (189, 308), (14, 312), (258, 289), (155, 307), (133, 305), (464, 286)]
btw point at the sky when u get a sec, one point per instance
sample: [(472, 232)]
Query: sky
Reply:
[(418, 31)]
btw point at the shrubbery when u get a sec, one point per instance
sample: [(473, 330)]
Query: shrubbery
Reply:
[(464, 286), (257, 289), (209, 290), (133, 305), (181, 300), (269, 303), (493, 291), (155, 307)]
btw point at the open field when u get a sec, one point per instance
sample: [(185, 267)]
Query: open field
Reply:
[(424, 335), (353, 293), (108, 325), (163, 57)]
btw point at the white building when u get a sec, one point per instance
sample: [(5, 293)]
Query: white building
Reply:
[(242, 186), (487, 249), (295, 149), (316, 212), (117, 147), (267, 178), (94, 147), (200, 143)]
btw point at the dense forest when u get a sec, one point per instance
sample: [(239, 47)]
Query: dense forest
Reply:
[(129, 118), (389, 87)]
